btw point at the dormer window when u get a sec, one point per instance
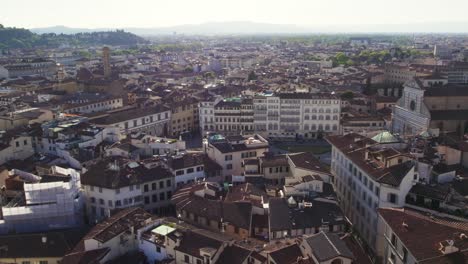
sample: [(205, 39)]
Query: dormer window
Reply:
[(412, 105)]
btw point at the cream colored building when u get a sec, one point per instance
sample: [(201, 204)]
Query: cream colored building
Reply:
[(232, 152), (184, 116), (25, 117)]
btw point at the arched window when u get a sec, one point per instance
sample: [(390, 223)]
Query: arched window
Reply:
[(306, 117), (335, 117), (313, 127), (320, 127), (320, 117), (327, 117), (314, 117), (314, 110), (335, 127), (327, 127), (306, 127), (328, 111), (337, 261), (320, 110)]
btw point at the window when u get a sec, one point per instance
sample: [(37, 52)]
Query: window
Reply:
[(17, 144), (117, 191), (130, 187), (169, 195), (101, 201), (187, 259), (392, 258), (405, 255), (393, 198), (393, 240), (153, 186), (154, 198), (162, 196), (190, 170), (109, 203), (161, 184), (25, 142), (118, 203), (179, 172), (147, 200), (228, 157), (199, 261), (168, 183), (229, 167), (145, 188), (158, 249), (100, 189), (93, 200)]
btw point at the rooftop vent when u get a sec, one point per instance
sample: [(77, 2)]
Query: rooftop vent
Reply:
[(447, 247)]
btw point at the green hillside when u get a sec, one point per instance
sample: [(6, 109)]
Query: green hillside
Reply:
[(20, 38)]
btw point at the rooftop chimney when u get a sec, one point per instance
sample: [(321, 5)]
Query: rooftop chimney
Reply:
[(447, 247)]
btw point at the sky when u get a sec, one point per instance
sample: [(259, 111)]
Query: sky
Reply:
[(159, 13)]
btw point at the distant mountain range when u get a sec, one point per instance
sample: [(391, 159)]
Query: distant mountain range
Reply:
[(246, 27)]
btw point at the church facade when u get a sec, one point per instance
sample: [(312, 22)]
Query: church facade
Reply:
[(441, 108)]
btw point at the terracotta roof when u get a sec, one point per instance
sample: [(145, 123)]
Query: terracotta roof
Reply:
[(422, 234), (461, 114), (286, 255), (114, 173), (192, 242), (447, 90), (308, 161), (85, 257), (234, 255), (326, 246), (354, 147), (57, 244), (119, 223), (186, 160)]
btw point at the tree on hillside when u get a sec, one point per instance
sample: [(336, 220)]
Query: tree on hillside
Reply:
[(252, 76), (348, 95)]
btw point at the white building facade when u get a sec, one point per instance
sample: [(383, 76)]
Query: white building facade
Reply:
[(304, 115), (363, 184)]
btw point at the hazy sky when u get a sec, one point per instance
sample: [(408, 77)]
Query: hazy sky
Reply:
[(157, 13)]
